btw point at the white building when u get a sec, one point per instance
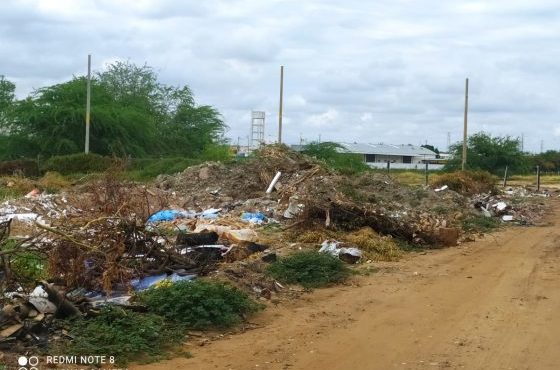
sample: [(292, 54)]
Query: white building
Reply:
[(399, 156)]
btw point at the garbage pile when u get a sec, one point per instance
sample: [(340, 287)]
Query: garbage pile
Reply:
[(516, 205), (308, 193), (103, 241)]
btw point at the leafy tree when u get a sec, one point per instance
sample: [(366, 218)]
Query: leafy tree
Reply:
[(132, 113), (491, 154), (548, 161), (432, 148), (7, 96)]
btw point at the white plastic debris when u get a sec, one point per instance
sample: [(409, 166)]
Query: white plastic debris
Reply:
[(294, 207), (507, 218), (500, 206), (444, 187), (330, 246)]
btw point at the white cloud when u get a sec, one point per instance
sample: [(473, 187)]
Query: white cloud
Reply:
[(324, 119), (389, 70)]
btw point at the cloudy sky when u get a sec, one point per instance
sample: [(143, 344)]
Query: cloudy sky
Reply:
[(355, 70)]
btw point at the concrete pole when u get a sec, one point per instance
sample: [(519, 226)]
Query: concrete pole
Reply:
[(464, 162), (280, 105), (88, 103)]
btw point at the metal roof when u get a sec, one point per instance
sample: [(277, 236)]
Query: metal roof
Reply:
[(387, 149)]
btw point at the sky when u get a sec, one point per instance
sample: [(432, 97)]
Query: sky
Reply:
[(389, 71)]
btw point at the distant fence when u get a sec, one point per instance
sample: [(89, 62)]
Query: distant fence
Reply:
[(407, 166)]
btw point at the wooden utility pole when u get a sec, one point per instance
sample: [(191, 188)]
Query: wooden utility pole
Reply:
[(88, 101), (464, 162), (280, 106)]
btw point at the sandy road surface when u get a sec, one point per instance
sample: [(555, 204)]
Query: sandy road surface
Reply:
[(492, 304)]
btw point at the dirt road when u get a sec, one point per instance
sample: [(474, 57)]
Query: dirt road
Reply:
[(491, 304)]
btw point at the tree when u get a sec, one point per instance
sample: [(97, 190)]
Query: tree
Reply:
[(7, 97), (132, 113), (548, 161), (491, 154), (432, 148)]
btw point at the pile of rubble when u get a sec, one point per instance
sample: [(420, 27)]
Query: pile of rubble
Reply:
[(105, 240), (517, 205)]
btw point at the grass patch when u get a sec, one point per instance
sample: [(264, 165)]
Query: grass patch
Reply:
[(406, 246), (127, 335), (200, 304), (309, 269), (480, 223)]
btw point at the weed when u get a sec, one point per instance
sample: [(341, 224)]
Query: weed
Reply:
[(200, 304), (27, 266), (124, 334), (310, 269), (53, 182), (480, 223), (406, 246)]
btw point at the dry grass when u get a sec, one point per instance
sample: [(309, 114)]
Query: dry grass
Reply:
[(409, 177), (467, 182), (532, 180), (15, 186), (374, 246), (53, 182)]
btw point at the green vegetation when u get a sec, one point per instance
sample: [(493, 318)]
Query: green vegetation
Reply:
[(28, 266), (480, 223), (124, 334), (132, 114), (310, 269), (77, 163), (336, 158), (200, 304), (492, 154)]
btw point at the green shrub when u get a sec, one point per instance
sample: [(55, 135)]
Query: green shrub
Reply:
[(200, 304), (336, 157), (480, 223), (27, 266), (148, 168), (124, 334), (310, 269), (24, 167), (215, 152), (77, 163)]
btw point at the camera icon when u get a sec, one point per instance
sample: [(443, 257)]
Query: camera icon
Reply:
[(28, 363)]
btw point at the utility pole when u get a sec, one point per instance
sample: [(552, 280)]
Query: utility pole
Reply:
[(464, 162), (280, 106), (88, 101)]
